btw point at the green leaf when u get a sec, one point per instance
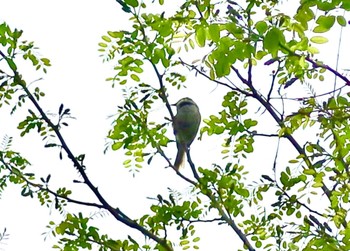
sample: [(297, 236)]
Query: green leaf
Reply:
[(11, 64), (319, 40), (309, 171), (272, 41), (184, 242), (196, 239), (313, 50), (214, 32), (260, 54), (132, 3), (201, 36), (102, 45), (325, 23), (116, 34), (106, 38), (261, 27), (341, 21), (346, 5), (165, 29), (45, 61), (320, 29), (284, 178), (135, 77)]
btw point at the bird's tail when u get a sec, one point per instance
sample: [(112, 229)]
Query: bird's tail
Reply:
[(180, 158)]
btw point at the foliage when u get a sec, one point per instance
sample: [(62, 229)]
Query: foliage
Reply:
[(234, 42)]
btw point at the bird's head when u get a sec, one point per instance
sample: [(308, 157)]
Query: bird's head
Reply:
[(184, 102)]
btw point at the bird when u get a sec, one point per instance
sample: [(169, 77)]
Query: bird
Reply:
[(185, 124)]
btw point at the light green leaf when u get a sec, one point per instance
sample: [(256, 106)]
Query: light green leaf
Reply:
[(190, 41), (272, 41), (45, 61), (325, 23), (196, 239), (107, 39), (260, 54), (214, 32), (102, 45), (320, 29), (261, 27), (184, 242), (319, 40), (201, 36), (117, 145), (135, 77), (313, 50), (309, 171), (116, 34), (341, 21)]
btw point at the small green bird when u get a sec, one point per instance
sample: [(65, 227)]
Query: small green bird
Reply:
[(186, 123)]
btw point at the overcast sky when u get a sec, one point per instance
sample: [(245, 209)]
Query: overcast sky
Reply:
[(67, 32)]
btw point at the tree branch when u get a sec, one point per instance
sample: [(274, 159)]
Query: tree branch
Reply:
[(217, 205), (192, 67), (316, 64), (42, 188), (116, 212), (280, 122), (328, 68)]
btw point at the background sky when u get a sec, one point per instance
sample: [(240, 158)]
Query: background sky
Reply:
[(67, 32)]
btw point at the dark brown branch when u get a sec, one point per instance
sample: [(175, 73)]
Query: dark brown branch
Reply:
[(162, 90), (215, 203), (177, 171), (274, 75), (303, 204), (193, 167), (116, 212), (226, 217), (239, 75), (328, 68), (316, 64), (42, 188), (267, 106), (159, 76), (280, 122)]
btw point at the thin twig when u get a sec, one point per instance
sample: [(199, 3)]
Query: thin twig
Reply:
[(193, 167), (316, 64), (116, 212), (234, 88), (327, 67), (314, 96), (177, 171), (274, 75)]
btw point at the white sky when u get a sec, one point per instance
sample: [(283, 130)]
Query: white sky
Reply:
[(67, 32)]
